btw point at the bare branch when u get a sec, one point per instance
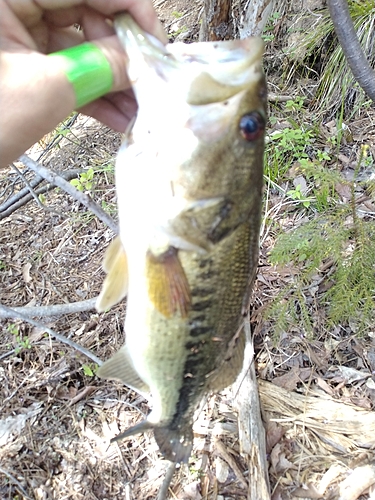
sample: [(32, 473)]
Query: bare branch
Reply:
[(16, 483), (31, 191), (23, 196), (250, 425), (351, 47), (163, 492), (83, 198), (7, 312), (56, 309)]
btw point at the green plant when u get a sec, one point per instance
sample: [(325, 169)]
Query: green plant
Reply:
[(284, 148), (110, 208), (21, 342), (296, 194), (177, 31), (349, 247), (268, 32), (85, 181), (12, 329), (90, 369)]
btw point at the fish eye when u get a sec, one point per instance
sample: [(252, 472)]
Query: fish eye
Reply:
[(252, 126)]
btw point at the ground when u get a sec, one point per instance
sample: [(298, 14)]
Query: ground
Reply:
[(317, 393)]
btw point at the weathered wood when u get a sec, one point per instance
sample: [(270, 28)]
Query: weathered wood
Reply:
[(254, 17), (250, 426), (225, 19), (216, 21)]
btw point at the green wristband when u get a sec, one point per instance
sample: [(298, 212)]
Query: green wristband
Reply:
[(88, 71)]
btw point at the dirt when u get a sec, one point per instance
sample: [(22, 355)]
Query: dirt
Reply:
[(57, 417)]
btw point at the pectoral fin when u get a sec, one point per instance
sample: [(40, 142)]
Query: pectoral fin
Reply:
[(168, 288), (120, 367), (115, 285)]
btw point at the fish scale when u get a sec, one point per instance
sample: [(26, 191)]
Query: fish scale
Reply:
[(189, 182)]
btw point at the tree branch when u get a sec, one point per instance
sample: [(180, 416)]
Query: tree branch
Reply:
[(9, 313), (31, 191), (351, 47), (83, 198), (56, 309), (23, 196)]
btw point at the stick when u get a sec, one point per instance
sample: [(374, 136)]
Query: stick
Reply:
[(7, 312), (351, 47), (163, 492), (83, 198), (16, 483), (56, 309), (31, 191), (23, 196), (250, 425)]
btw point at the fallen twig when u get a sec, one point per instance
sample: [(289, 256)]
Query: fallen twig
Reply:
[(163, 492), (250, 425), (32, 193), (56, 309), (7, 312), (15, 481), (23, 196), (83, 198)]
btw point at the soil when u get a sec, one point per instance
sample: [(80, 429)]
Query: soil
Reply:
[(57, 417)]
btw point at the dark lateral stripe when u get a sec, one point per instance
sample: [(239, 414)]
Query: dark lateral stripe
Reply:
[(194, 344), (186, 402), (201, 292), (201, 305), (196, 331), (205, 262), (199, 318)]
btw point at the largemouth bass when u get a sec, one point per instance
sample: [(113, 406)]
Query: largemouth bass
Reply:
[(189, 183)]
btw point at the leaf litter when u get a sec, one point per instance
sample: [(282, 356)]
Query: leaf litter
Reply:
[(317, 395)]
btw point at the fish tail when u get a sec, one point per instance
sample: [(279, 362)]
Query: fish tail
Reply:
[(174, 444), (136, 429)]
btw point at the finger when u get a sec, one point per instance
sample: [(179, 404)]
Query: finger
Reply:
[(142, 11), (117, 58), (109, 111), (28, 12), (94, 23)]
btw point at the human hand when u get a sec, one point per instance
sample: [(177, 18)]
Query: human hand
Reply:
[(35, 94)]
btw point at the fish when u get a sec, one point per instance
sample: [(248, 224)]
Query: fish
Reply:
[(189, 179)]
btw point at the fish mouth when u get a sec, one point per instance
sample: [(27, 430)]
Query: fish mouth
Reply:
[(206, 72)]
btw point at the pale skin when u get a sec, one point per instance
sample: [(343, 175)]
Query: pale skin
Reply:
[(35, 95)]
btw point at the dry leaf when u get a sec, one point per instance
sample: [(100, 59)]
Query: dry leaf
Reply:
[(289, 380), (26, 272), (274, 433)]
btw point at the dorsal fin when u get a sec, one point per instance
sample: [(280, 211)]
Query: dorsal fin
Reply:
[(115, 285)]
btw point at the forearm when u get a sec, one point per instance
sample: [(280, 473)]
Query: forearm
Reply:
[(35, 96)]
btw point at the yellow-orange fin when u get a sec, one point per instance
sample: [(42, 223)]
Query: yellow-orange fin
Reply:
[(115, 285), (113, 249), (168, 287)]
